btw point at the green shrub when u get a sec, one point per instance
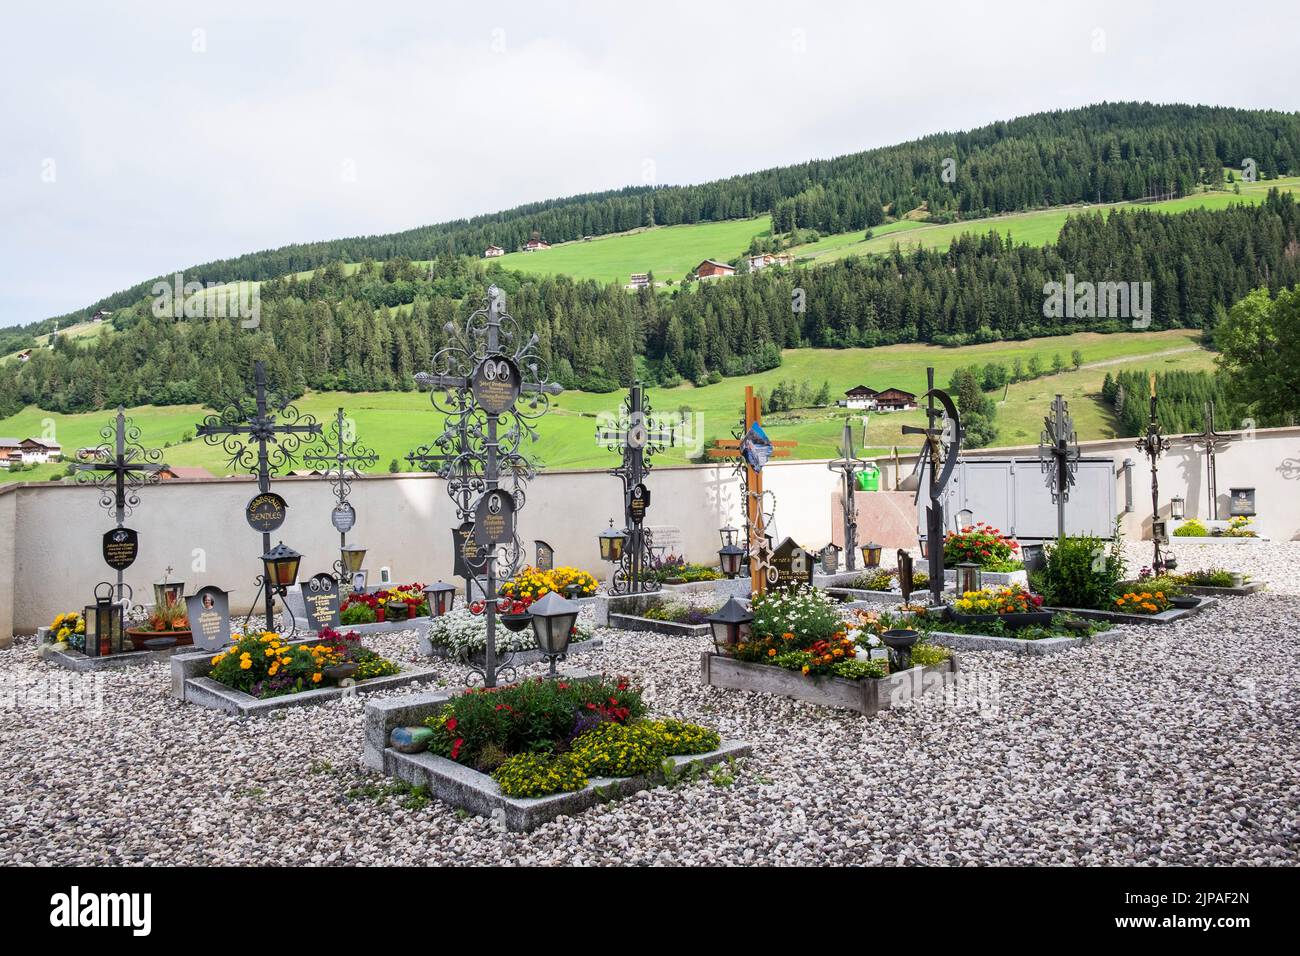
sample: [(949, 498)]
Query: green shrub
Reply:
[(357, 614), (881, 579), (1081, 571), (683, 738), (1191, 529), (860, 670), (928, 655), (1207, 578), (620, 750)]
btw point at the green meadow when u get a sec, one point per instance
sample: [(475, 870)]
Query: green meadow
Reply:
[(394, 423)]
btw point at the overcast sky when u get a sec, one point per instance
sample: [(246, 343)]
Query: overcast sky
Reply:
[(141, 138)]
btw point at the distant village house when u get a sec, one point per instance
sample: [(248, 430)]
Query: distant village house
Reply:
[(861, 396), (491, 252), (640, 280), (765, 259), (712, 269), (29, 451), (25, 355), (895, 400), (172, 472), (536, 245)]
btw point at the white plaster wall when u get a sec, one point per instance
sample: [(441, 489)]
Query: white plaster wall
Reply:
[(50, 533)]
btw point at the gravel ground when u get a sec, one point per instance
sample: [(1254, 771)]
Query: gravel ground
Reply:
[(1174, 746)]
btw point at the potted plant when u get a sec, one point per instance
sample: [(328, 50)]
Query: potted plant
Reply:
[(166, 626)]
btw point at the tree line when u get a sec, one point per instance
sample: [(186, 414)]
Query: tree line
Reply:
[(348, 331), (1095, 154)]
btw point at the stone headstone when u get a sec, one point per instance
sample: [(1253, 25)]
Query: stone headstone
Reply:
[(545, 557), (494, 519), (343, 517), (320, 598), (208, 611), (465, 553)]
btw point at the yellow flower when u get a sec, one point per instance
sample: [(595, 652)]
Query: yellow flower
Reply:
[(245, 664), (274, 669), (771, 652), (315, 678)]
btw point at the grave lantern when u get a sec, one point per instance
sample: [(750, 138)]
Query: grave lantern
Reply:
[(729, 560), (353, 556), (1177, 507), (105, 617), (441, 597), (968, 577), (167, 593), (728, 535), (730, 625), (554, 618), (611, 543), (281, 568), (871, 555)]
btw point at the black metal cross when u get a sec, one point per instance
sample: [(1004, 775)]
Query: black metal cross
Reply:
[(273, 422), (1212, 441), (1153, 444), (338, 459), (848, 464), (639, 438), (1058, 455), (943, 444)]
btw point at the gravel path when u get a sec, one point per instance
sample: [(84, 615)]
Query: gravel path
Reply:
[(1174, 746)]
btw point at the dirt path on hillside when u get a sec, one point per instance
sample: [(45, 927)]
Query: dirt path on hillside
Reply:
[(1138, 358)]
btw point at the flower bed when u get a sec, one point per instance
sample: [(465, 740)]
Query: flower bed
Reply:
[(1010, 606), (682, 615), (264, 665), (675, 570), (1217, 581), (531, 584), (463, 634), (373, 607)]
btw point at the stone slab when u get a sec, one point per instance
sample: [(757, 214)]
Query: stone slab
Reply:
[(991, 642), (206, 692), (992, 578), (867, 697), (468, 789), (631, 622), (1118, 617), (1206, 590)]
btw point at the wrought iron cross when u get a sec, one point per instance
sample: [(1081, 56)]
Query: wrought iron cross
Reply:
[(639, 438), (848, 464), (1211, 441), (1058, 455), (338, 458), (120, 465), (272, 423), (943, 436), (1153, 444)]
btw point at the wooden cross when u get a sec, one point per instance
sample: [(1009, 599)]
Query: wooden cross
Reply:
[(125, 464), (1057, 459), (261, 428), (848, 464), (1212, 441), (752, 482)]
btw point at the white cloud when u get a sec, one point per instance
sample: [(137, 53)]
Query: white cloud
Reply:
[(166, 157)]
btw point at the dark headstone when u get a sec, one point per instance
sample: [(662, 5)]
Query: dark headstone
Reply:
[(343, 517), (464, 551), (320, 598), (265, 512), (495, 384), (121, 547), (208, 610), (638, 501), (494, 519), (545, 557), (793, 566)]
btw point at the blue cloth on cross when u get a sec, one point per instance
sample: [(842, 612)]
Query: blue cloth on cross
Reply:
[(756, 447)]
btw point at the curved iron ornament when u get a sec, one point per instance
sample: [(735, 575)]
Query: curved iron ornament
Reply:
[(948, 445), (484, 449), (119, 466)]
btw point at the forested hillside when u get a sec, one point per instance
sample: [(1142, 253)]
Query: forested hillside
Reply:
[(336, 331), (1102, 153)]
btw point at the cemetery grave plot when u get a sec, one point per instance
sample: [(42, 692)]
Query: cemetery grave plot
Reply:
[(527, 753), (682, 615), (462, 635), (261, 673)]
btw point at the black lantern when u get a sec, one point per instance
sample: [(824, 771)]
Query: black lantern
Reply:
[(871, 554), (440, 597), (730, 624), (611, 543), (281, 564), (554, 618), (166, 593), (728, 535), (1177, 507), (105, 629), (729, 559), (968, 577)]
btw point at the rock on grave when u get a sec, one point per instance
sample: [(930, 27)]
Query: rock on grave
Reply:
[(411, 740)]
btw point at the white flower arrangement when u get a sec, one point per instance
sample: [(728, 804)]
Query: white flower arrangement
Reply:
[(461, 632)]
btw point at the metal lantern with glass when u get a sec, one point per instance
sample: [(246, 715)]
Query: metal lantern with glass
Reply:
[(281, 568), (554, 619), (968, 577), (730, 625), (105, 625), (871, 555), (440, 597), (611, 543)]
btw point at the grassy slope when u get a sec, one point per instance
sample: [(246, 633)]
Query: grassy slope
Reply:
[(395, 422)]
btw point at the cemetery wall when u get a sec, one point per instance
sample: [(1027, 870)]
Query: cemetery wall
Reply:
[(50, 533)]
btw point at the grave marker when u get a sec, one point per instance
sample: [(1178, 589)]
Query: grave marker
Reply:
[(208, 610), (320, 598)]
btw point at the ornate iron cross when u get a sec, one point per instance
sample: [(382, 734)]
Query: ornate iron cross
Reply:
[(848, 465), (338, 457), (484, 428), (119, 466), (636, 434), (1153, 444), (1211, 441), (1058, 455), (273, 422), (943, 436)]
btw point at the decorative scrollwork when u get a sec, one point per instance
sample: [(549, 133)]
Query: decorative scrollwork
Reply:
[(339, 455), (119, 466)]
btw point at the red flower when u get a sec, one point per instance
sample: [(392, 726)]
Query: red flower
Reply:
[(451, 724), (562, 686), (455, 748)]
